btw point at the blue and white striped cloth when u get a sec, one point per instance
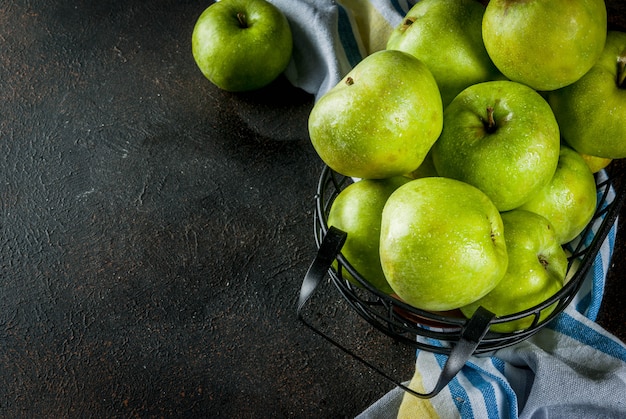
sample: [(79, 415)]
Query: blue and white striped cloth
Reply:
[(570, 369)]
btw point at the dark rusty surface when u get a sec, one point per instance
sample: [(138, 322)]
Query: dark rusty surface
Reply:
[(155, 230), (612, 315)]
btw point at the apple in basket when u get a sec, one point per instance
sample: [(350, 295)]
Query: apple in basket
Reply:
[(502, 137), (596, 163), (536, 270), (569, 200), (441, 243), (544, 44), (242, 45), (459, 58), (358, 210), (592, 111), (380, 120)]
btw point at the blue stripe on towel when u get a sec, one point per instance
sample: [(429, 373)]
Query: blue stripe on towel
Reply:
[(346, 35), (487, 391), (459, 394), (398, 7), (573, 328), (505, 386), (590, 304)]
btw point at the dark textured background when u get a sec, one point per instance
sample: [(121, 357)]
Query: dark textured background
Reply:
[(155, 230)]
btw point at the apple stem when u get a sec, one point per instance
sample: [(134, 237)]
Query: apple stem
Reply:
[(621, 71), (407, 22), (349, 81), (243, 22), (491, 122)]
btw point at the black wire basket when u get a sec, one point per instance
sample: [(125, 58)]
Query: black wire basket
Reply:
[(447, 333)]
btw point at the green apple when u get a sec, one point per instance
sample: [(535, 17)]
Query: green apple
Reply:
[(569, 200), (380, 120), (441, 243), (358, 210), (595, 163), (242, 45), (544, 44), (536, 270), (454, 27), (592, 111), (502, 137)]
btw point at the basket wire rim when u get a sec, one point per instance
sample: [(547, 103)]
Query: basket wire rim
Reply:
[(395, 325)]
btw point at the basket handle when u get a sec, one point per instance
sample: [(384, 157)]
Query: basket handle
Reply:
[(329, 248), (471, 335)]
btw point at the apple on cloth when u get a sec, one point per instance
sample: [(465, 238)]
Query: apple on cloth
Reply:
[(572, 367)]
